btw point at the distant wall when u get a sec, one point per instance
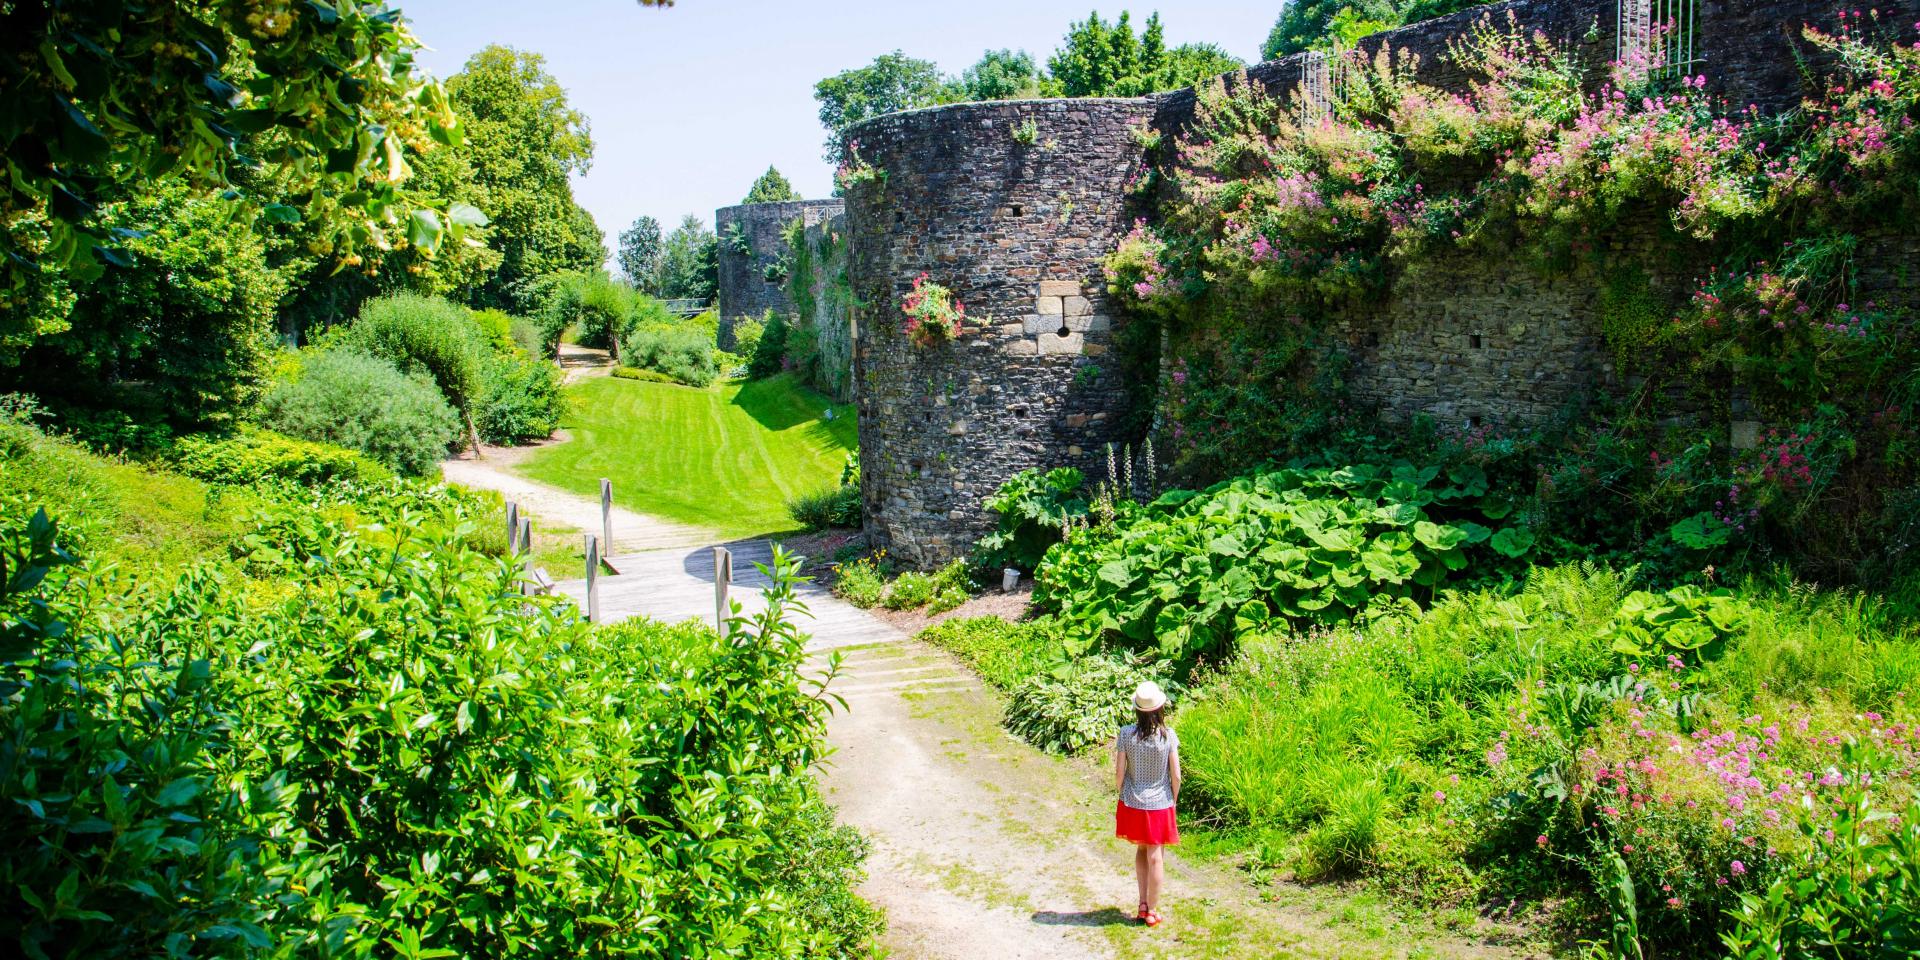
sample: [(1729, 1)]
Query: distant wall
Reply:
[(745, 290)]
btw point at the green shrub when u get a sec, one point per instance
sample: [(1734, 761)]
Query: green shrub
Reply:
[(1192, 569), (520, 400), (423, 335), (645, 376), (768, 356), (365, 728), (862, 582), (684, 354), (251, 455), (1081, 703), (605, 312), (496, 326), (366, 404), (746, 336), (1003, 652), (838, 507), (1034, 509), (939, 591), (530, 336)]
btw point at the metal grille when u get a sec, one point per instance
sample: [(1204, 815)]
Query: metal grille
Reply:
[(1661, 36), (1321, 76)]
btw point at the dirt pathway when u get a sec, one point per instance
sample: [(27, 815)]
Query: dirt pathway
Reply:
[(632, 532), (984, 847)]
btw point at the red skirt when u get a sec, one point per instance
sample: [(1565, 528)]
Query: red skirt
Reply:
[(1150, 827)]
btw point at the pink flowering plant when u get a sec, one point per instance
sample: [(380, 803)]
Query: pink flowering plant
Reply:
[(855, 171), (933, 316)]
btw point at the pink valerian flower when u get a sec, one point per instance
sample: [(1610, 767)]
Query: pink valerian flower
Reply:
[(933, 315)]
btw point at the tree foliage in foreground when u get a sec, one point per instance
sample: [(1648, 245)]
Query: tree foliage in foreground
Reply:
[(102, 97)]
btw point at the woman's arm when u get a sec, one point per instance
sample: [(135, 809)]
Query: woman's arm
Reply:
[(1173, 771), (1119, 768)]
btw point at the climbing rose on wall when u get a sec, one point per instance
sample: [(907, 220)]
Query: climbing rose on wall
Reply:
[(933, 316)]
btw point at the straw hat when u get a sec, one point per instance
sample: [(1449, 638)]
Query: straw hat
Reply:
[(1149, 697)]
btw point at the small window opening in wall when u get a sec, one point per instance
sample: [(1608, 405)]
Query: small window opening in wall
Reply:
[(1372, 340), (899, 216), (1017, 210), (1473, 423), (1020, 411), (1473, 340)]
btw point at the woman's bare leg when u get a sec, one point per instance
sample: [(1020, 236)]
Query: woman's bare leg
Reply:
[(1140, 869), (1155, 875)]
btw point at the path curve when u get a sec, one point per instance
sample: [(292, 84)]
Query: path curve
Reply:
[(983, 847), (633, 532)]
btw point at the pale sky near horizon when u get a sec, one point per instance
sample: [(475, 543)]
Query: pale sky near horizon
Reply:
[(690, 103)]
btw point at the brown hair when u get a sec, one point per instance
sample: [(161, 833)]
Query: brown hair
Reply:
[(1149, 723)]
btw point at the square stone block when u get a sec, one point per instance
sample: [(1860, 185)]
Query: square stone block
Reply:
[(1014, 329), (1034, 323), (1059, 288), (1051, 306), (1053, 344), (1077, 306), (1019, 348)]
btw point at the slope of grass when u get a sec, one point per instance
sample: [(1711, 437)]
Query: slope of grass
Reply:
[(147, 521), (727, 457)]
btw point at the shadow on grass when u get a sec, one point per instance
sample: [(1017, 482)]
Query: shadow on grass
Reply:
[(780, 403), (1109, 917)]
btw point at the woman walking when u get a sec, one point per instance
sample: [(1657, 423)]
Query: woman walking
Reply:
[(1146, 768)]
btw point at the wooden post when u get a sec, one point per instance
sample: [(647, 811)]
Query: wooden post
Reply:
[(606, 515), (525, 552), (513, 528), (593, 579), (722, 575)]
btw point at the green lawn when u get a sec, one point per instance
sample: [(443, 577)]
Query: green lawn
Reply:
[(726, 457)]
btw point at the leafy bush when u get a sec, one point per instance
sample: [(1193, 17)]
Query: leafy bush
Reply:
[(768, 355), (1004, 652), (423, 335), (251, 455), (1034, 510), (343, 752), (746, 336), (645, 376), (520, 400), (1081, 703), (939, 591), (686, 355), (366, 404), (862, 582), (1192, 569), (838, 507)]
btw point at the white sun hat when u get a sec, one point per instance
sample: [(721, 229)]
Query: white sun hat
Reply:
[(1149, 697)]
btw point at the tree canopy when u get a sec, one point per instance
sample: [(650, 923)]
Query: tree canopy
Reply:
[(523, 142), (104, 97), (1327, 24), (772, 187), (1001, 75), (892, 82), (640, 254), (690, 261)]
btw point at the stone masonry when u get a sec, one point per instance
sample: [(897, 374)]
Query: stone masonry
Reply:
[(745, 290), (1017, 225), (1017, 230)]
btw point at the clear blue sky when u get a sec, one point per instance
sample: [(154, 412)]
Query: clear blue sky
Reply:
[(689, 104)]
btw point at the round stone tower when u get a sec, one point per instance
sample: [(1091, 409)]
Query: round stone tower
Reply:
[(1011, 205)]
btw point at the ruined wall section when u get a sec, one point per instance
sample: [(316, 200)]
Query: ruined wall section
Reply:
[(1012, 205), (752, 241)]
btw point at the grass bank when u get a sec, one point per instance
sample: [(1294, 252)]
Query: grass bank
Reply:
[(726, 457)]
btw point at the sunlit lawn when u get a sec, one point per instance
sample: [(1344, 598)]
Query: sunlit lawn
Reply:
[(727, 457)]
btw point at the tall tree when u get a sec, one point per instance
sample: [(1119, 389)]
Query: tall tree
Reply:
[(523, 142), (1100, 59), (892, 82), (1000, 75), (102, 97), (772, 187), (690, 261), (1325, 24), (640, 255)]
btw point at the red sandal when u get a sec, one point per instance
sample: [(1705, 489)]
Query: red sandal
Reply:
[(1151, 919), (1142, 915)]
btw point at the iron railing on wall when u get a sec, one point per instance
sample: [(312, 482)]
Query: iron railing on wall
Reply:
[(1321, 77), (687, 307), (1663, 36)]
